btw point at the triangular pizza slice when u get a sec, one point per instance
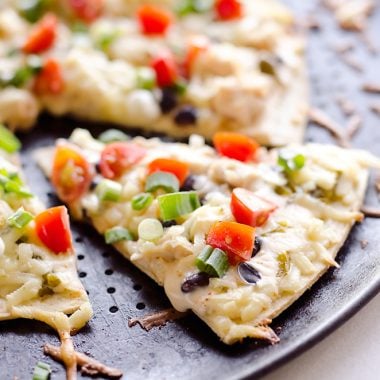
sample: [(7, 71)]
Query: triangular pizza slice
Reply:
[(236, 234), (38, 274)]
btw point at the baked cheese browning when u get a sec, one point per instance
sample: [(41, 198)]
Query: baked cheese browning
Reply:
[(299, 202), (199, 74), (38, 276)]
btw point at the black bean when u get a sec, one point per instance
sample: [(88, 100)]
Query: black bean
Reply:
[(94, 183), (186, 115), (248, 274), (194, 281), (97, 167), (257, 247), (168, 100), (188, 185), (169, 223)]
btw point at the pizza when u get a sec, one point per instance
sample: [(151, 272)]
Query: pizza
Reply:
[(235, 233), (38, 275), (174, 67)]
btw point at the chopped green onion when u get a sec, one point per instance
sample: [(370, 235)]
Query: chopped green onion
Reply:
[(79, 27), (15, 188), (291, 163), (105, 38), (175, 205), (112, 135), (141, 201), (116, 234), (51, 279), (108, 190), (145, 78), (41, 371), (193, 6), (32, 10), (162, 180), (22, 75), (150, 229), (214, 262), (20, 218), (8, 141), (180, 87)]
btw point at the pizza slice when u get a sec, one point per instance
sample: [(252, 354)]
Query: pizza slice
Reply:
[(168, 67), (38, 274), (236, 234)]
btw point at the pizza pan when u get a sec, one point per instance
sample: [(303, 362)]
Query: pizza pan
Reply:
[(186, 349)]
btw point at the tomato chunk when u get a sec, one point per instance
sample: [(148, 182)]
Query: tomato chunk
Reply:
[(42, 36), (154, 20), (196, 45), (53, 229), (250, 209), (237, 240), (235, 145), (87, 10), (178, 168), (50, 80), (228, 9), (72, 174), (117, 157), (166, 69)]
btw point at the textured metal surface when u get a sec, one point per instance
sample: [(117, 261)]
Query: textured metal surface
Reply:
[(187, 349)]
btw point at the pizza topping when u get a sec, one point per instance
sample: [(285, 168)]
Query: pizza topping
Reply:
[(32, 10), (194, 281), (154, 20), (8, 141), (20, 218), (87, 10), (196, 46), (189, 183), (108, 190), (249, 208), (186, 115), (145, 78), (193, 6), (178, 168), (11, 183), (43, 36), (175, 205), (237, 240), (112, 135), (257, 247), (169, 100), (117, 234), (150, 229), (118, 157), (160, 180), (49, 80), (212, 261), (142, 201), (236, 146), (41, 371), (248, 273), (72, 174), (228, 9), (166, 69), (53, 229), (290, 162)]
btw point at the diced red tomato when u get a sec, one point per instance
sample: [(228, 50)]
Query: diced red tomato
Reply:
[(178, 168), (228, 9), (250, 209), (72, 174), (166, 69), (50, 80), (196, 45), (42, 36), (53, 229), (235, 145), (154, 20), (117, 157), (87, 10), (237, 240)]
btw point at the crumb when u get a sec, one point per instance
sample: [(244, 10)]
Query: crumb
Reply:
[(363, 244), (375, 107), (354, 124), (347, 107), (372, 88), (352, 62)]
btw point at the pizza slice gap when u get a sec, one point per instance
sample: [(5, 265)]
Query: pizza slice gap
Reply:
[(236, 234), (38, 271), (202, 75)]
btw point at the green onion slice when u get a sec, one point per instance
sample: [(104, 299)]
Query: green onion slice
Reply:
[(41, 371), (145, 78), (162, 180), (291, 163), (212, 261), (175, 205), (32, 10), (112, 135), (20, 218), (108, 190), (141, 201), (116, 234), (8, 141), (150, 229)]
